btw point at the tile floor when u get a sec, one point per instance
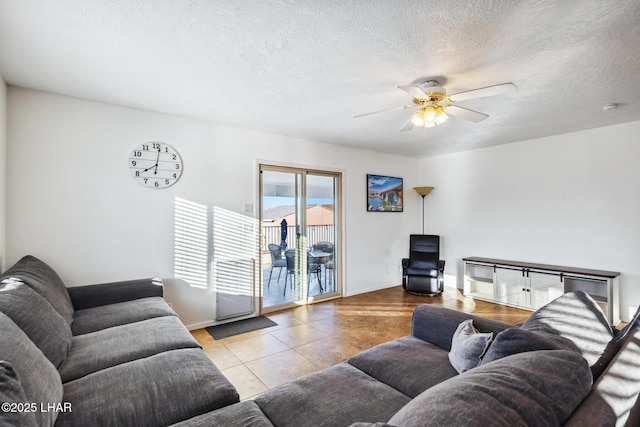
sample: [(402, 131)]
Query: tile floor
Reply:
[(311, 338)]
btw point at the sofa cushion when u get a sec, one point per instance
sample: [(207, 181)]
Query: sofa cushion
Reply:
[(578, 318), (517, 340), (468, 346), (614, 398), (44, 281), (39, 378), (242, 414), (407, 364), (122, 313), (112, 346), (155, 391), (339, 395), (540, 388), (12, 394), (37, 319)]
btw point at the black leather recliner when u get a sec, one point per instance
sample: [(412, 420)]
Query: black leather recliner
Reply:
[(423, 271)]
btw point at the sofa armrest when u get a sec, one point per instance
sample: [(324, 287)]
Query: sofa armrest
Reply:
[(110, 293), (441, 264), (437, 325)]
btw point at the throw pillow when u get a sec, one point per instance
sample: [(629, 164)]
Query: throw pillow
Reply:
[(538, 388), (45, 281), (578, 318), (37, 318), (468, 346), (516, 340), (16, 409)]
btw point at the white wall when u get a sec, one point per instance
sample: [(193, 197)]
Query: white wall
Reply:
[(72, 202), (3, 171), (571, 199)]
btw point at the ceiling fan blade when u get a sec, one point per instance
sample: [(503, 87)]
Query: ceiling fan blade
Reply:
[(501, 89), (408, 125), (465, 113), (414, 91), (403, 107)]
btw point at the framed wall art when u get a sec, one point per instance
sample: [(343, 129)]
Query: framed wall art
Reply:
[(384, 193)]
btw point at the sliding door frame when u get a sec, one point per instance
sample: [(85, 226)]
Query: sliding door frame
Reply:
[(338, 218)]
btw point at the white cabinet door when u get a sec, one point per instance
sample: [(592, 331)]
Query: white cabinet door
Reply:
[(544, 288), (510, 287)]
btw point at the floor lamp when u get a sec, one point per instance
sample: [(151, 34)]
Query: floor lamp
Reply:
[(423, 191)]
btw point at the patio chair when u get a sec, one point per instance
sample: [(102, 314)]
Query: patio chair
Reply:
[(323, 247), (328, 265), (290, 259), (327, 262), (276, 261), (314, 266)]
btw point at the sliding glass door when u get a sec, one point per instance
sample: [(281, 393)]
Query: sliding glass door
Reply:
[(299, 236)]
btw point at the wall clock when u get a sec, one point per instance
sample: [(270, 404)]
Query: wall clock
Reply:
[(155, 165)]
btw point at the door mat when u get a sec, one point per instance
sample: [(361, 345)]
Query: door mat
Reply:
[(240, 327)]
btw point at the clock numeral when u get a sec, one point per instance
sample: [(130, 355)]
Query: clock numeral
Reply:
[(156, 146), (177, 166), (145, 180), (137, 173), (133, 163), (173, 157), (137, 153), (175, 176), (156, 184), (166, 182), (145, 147)]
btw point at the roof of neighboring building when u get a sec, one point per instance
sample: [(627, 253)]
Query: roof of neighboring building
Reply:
[(277, 212)]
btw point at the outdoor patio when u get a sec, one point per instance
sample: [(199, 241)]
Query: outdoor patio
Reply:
[(274, 294)]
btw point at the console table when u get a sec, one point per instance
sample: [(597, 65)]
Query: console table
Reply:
[(530, 286)]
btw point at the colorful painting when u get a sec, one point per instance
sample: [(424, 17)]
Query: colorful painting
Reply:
[(384, 193)]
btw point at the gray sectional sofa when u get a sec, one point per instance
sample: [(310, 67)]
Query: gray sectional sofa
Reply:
[(115, 354), (538, 374), (100, 355)]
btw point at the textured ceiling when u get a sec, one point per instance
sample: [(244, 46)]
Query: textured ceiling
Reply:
[(304, 68)]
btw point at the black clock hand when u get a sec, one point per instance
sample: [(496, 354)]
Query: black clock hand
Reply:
[(154, 166), (157, 160)]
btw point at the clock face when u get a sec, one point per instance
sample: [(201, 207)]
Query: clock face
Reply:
[(155, 165)]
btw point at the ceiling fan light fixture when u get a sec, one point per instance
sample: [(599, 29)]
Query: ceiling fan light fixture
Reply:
[(441, 116), (418, 118), (430, 114)]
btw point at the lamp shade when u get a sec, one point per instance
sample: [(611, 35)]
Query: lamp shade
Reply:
[(423, 191)]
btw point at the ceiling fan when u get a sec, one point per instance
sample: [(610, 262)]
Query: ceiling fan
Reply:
[(432, 101)]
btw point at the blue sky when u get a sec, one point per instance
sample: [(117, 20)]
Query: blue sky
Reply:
[(380, 183)]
